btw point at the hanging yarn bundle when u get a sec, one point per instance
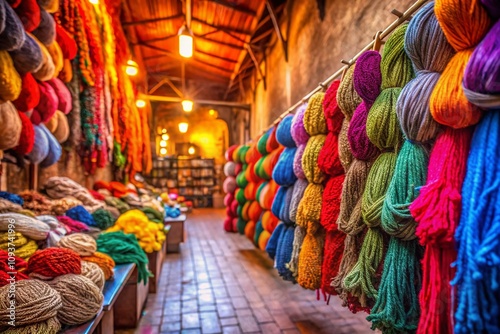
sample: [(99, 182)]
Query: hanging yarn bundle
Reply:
[(104, 261), (37, 306), (9, 135), (124, 248), (53, 262), (83, 244), (77, 290), (309, 210), (473, 23), (330, 165)]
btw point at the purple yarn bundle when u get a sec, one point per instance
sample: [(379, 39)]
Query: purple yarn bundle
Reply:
[(367, 80), (298, 131), (482, 74), (297, 162)]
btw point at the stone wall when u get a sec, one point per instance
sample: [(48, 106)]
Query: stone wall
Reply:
[(315, 49)]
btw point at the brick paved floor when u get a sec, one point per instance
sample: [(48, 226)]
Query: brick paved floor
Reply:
[(220, 283)]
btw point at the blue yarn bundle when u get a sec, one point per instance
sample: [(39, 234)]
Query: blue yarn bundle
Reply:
[(284, 253), (12, 197), (79, 213), (278, 202), (478, 234), (55, 149), (283, 171), (29, 57), (283, 133), (40, 147), (272, 244)]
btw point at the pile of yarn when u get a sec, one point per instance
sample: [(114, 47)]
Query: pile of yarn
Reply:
[(150, 235), (247, 226), (104, 261), (62, 187), (124, 248)]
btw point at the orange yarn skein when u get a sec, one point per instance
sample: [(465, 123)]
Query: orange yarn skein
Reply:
[(464, 24)]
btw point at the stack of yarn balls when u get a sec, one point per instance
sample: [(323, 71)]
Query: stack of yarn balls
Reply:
[(231, 169), (35, 102)]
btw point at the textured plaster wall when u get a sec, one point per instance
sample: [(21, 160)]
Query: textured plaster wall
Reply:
[(315, 49)]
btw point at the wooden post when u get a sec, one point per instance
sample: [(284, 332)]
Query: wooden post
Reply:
[(33, 177)]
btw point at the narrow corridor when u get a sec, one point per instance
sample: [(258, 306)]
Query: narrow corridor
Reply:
[(220, 283)]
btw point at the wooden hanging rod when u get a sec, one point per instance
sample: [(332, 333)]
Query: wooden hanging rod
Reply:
[(402, 17)]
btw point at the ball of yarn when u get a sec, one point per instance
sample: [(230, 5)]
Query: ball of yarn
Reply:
[(298, 192), (66, 42), (297, 162), (37, 305), (367, 80), (262, 142), (278, 201), (229, 168), (240, 196), (229, 185), (29, 14), (93, 272), (298, 131), (241, 181), (283, 132), (50, 6), (48, 104), (46, 30), (10, 81), (73, 225), (8, 206), (228, 199), (27, 137), (27, 226), (81, 243), (13, 36), (30, 94), (272, 142), (283, 171), (314, 118), (482, 75), (29, 57), (103, 219), (61, 133), (104, 261), (448, 103), (24, 248), (57, 58), (12, 197), (347, 97), (40, 146), (331, 109), (309, 209), (80, 214), (47, 69), (229, 153), (55, 149), (77, 290), (53, 262)]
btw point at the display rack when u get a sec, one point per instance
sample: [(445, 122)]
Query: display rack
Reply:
[(195, 179)]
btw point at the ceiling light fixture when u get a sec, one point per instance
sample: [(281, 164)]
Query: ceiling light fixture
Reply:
[(140, 103), (191, 150), (187, 105), (132, 68), (183, 127), (185, 42), (94, 2)]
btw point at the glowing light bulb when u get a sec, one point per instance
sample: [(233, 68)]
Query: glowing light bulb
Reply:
[(94, 2), (183, 127), (185, 42), (187, 105), (165, 137), (140, 103), (191, 150), (132, 69), (163, 151), (163, 143)]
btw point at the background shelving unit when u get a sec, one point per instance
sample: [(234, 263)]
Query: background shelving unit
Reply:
[(196, 179)]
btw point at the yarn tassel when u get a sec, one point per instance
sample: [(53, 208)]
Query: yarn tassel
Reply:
[(311, 257)]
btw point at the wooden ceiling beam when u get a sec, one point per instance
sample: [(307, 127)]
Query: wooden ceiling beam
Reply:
[(154, 20), (229, 60), (223, 28), (230, 45), (236, 7)]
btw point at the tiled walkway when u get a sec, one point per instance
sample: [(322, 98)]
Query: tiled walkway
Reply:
[(220, 283)]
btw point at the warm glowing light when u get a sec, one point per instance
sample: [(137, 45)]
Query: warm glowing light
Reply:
[(132, 68), (140, 103), (185, 42), (94, 2), (163, 143), (187, 105), (165, 137), (163, 151), (163, 130), (191, 150), (212, 112), (183, 127)]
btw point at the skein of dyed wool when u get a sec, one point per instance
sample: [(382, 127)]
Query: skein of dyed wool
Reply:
[(429, 51), (478, 232), (330, 165), (367, 80), (383, 130), (230, 187), (309, 210), (464, 25)]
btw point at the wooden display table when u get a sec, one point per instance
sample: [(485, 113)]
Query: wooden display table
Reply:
[(176, 234), (130, 302), (155, 264)]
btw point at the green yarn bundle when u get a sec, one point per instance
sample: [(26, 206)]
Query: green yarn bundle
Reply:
[(153, 214), (103, 219), (383, 130), (124, 248)]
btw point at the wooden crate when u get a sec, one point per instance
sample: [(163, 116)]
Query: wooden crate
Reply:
[(176, 234), (155, 264), (130, 303)]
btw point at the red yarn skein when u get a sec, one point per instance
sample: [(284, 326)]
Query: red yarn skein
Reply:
[(30, 94), (53, 262), (27, 138)]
